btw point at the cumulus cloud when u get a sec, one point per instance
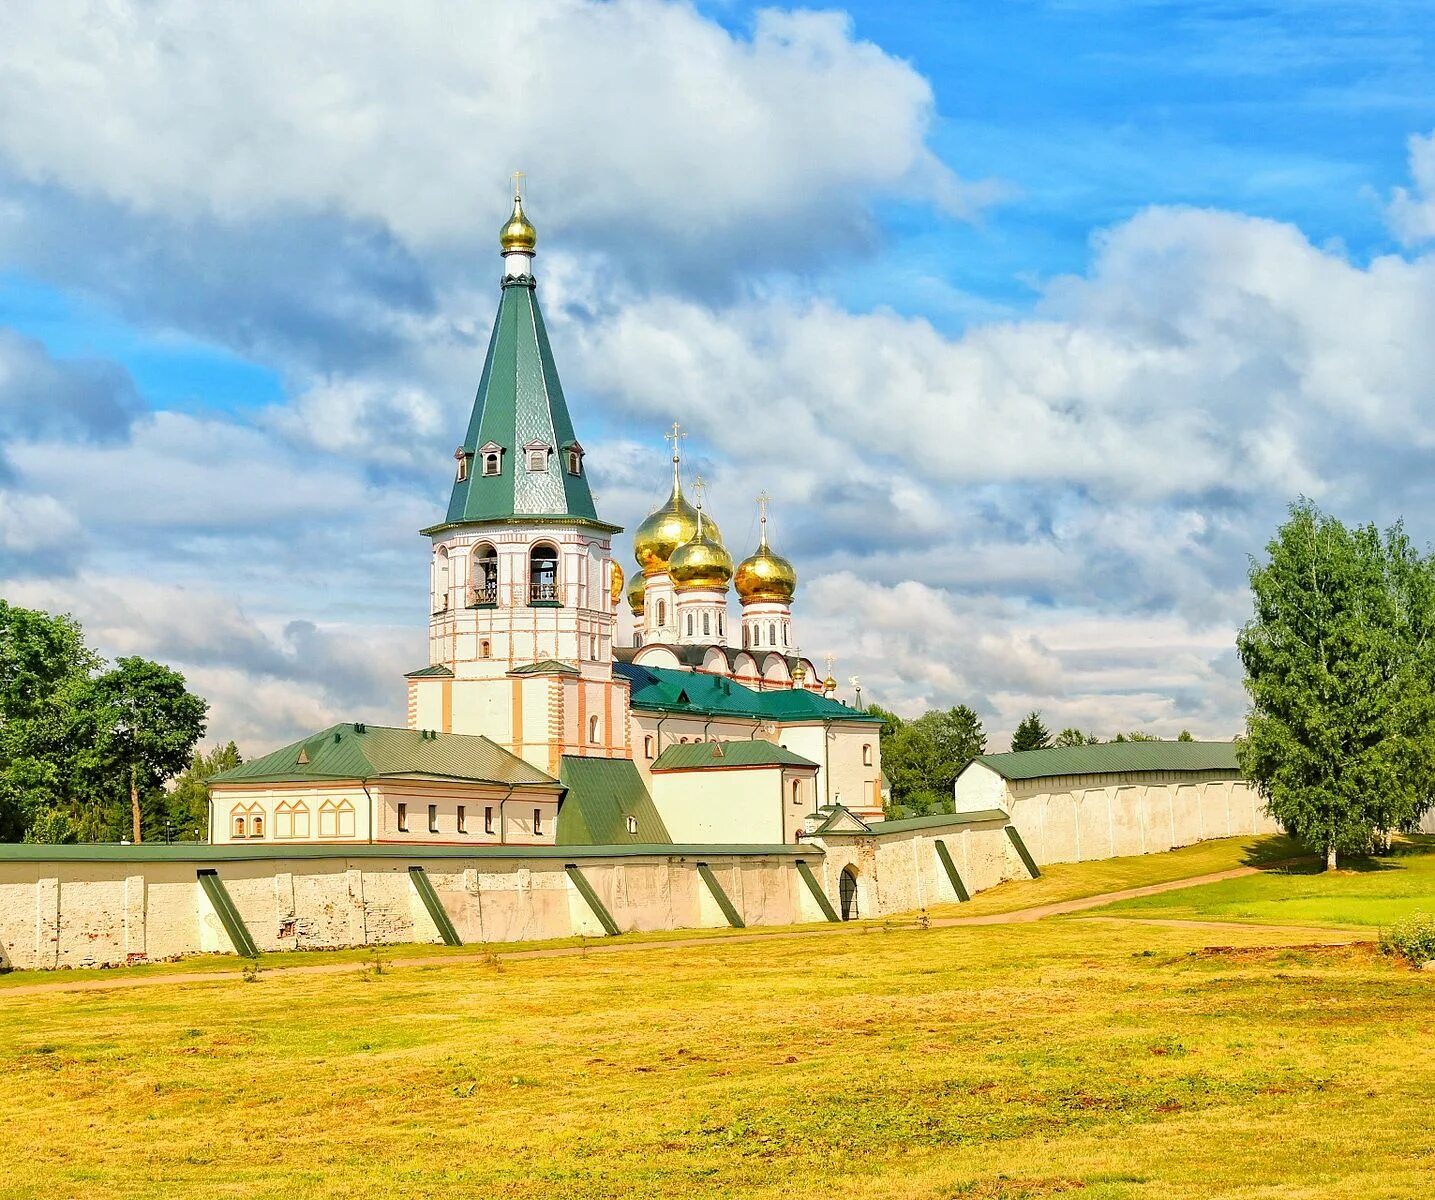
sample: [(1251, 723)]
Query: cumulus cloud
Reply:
[(1411, 211), (638, 115), (84, 399)]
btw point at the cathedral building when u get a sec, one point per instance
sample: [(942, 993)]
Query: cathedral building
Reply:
[(530, 723)]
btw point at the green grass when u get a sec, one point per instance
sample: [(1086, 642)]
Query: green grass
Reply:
[(1373, 892), (1110, 1061), (1074, 881)]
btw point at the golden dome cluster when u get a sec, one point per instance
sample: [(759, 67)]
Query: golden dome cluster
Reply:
[(637, 594), (518, 234), (665, 530)]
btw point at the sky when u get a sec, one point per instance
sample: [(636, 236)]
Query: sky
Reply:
[(1032, 318)]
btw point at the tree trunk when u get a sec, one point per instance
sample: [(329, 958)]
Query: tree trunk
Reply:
[(135, 808), (1329, 856)]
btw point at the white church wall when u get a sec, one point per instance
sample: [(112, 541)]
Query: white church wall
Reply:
[(843, 775), (721, 806)]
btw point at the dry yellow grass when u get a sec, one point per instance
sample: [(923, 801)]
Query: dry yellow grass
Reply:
[(1091, 1058)]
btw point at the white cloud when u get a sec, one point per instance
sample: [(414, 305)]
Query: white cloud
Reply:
[(638, 116), (1411, 211)]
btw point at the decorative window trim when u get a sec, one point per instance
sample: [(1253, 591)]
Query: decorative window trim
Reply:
[(465, 462), (531, 459), (490, 457), (573, 458)]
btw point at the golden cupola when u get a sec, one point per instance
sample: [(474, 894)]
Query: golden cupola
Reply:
[(671, 526), (764, 575), (637, 594), (702, 561), (518, 235)]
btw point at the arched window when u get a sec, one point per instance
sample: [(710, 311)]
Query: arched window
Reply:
[(543, 574), (632, 823), (721, 621), (867, 755), (485, 575), (485, 649), (772, 633), (593, 731), (592, 645), (440, 580), (648, 746), (490, 454), (744, 637), (637, 639), (707, 625), (575, 460), (463, 461), (690, 624), (797, 791), (256, 827), (662, 613), (239, 827), (786, 634)]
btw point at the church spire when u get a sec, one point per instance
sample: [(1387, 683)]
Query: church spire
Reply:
[(520, 460)]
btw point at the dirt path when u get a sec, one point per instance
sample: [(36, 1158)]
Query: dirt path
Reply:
[(119, 979)]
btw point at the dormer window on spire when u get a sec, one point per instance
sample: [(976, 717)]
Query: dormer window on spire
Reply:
[(536, 455), (490, 455), (573, 454), (464, 460)]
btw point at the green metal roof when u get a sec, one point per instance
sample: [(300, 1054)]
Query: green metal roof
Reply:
[(438, 671), (835, 814), (197, 852), (602, 794), (695, 756), (667, 689), (939, 820), (376, 752), (1110, 758), (549, 666), (520, 401)]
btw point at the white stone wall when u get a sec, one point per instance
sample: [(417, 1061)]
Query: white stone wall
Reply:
[(67, 913), (1132, 816)]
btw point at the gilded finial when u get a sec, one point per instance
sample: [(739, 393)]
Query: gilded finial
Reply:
[(762, 502), (518, 236)]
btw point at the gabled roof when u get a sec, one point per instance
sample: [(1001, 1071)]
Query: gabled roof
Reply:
[(664, 689), (697, 756), (1110, 758), (549, 666), (602, 794), (520, 402), (838, 818), (438, 671), (379, 752)]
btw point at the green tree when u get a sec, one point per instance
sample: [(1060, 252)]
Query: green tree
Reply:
[(1339, 660), (1031, 734), (1185, 736), (186, 808), (45, 670), (1136, 736), (1074, 737), (148, 724), (923, 757), (891, 722)]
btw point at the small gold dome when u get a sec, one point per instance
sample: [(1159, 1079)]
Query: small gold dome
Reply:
[(518, 235), (702, 562), (829, 684), (764, 575), (667, 529), (636, 594), (799, 672), (616, 585)]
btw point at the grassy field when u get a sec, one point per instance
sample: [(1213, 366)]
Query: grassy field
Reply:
[(1073, 881), (1370, 892), (1105, 1060)]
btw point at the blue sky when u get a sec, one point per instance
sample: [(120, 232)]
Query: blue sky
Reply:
[(1031, 316)]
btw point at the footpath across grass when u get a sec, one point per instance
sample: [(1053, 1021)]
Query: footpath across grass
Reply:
[(1367, 892), (1106, 1061), (1075, 881)]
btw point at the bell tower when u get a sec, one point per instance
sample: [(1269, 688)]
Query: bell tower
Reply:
[(523, 591)]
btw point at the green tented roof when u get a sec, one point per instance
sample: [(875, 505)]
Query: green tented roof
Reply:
[(520, 401), (602, 794), (693, 756), (1114, 757), (438, 671), (667, 689), (376, 752)]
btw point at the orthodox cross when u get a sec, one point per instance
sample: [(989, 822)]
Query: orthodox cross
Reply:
[(518, 178), (699, 488), (675, 437), (829, 666), (762, 500)]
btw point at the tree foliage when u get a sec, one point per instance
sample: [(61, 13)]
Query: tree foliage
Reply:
[(1074, 737), (1339, 660), (187, 804), (923, 757), (74, 738), (1031, 734)]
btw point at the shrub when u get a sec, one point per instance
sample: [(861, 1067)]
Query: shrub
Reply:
[(1412, 938)]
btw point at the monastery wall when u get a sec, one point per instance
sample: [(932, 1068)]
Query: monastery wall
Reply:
[(73, 906), (1134, 818)]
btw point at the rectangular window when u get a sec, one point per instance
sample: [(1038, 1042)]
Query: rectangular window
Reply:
[(867, 756), (488, 820), (537, 822), (403, 818), (433, 818), (462, 819)]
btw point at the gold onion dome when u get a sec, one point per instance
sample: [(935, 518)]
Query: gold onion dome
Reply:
[(635, 594), (701, 562), (615, 586), (518, 235), (763, 575), (665, 530)]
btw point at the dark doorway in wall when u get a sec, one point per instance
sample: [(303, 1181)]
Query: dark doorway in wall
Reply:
[(847, 893)]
